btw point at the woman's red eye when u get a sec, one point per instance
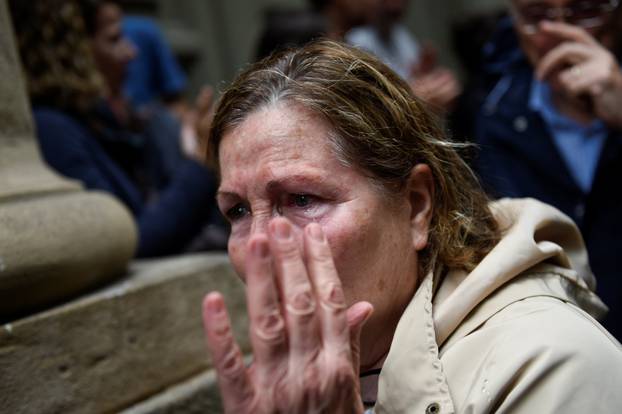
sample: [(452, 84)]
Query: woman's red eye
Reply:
[(236, 212), (301, 200)]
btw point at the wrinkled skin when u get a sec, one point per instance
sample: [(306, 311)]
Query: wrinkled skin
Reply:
[(318, 246), (301, 333)]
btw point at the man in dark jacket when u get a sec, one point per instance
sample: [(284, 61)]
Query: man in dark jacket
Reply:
[(551, 124)]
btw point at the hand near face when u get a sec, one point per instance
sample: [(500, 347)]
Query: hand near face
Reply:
[(434, 84), (585, 68), (438, 87), (305, 340), (196, 123)]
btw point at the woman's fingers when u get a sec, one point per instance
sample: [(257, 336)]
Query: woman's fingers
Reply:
[(294, 301), (332, 302), (298, 299), (235, 386), (358, 314), (267, 326)]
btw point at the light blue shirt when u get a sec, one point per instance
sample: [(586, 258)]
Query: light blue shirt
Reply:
[(400, 52), (579, 145)]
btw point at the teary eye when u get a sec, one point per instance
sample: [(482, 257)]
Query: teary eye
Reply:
[(237, 212), (299, 206), (301, 200)]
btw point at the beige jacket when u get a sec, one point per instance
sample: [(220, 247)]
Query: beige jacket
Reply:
[(513, 336)]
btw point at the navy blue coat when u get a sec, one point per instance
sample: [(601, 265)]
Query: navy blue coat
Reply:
[(518, 158), (166, 223)]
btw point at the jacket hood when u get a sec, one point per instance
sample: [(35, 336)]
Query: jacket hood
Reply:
[(537, 239), (435, 365), (541, 254)]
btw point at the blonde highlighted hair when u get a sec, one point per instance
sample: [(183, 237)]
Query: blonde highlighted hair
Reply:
[(380, 128)]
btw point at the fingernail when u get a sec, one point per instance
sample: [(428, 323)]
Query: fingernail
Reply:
[(368, 314), (282, 230), (260, 249), (361, 316), (214, 303), (315, 231)]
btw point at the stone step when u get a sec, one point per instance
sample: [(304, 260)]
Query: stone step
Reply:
[(197, 395), (120, 345)]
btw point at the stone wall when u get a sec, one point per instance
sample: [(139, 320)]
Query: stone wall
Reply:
[(80, 331), (122, 344)]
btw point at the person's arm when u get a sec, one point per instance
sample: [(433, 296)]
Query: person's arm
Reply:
[(166, 224), (68, 148), (169, 223)]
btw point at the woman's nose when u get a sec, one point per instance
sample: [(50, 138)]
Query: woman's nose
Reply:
[(259, 224)]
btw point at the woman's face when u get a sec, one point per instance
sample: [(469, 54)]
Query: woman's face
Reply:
[(279, 162), (112, 50)]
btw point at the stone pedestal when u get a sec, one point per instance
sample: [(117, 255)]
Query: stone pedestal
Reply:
[(123, 344), (132, 344), (198, 395), (55, 239)]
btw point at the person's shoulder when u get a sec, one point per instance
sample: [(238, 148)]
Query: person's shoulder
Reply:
[(140, 26), (534, 355), (52, 116), (56, 129), (544, 325), (50, 121)]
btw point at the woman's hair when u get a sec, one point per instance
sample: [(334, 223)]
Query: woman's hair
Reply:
[(380, 128), (90, 12), (56, 56)]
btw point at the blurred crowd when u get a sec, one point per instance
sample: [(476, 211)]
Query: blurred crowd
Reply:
[(539, 92)]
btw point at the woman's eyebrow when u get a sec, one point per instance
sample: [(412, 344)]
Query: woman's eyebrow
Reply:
[(220, 194), (295, 179)]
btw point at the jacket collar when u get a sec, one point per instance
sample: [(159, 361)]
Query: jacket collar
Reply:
[(541, 253), (412, 378)]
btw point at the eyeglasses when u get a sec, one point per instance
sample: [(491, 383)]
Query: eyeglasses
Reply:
[(584, 13)]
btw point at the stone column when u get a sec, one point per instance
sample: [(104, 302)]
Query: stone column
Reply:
[(55, 238)]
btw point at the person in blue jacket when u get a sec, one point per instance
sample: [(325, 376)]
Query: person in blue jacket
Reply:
[(551, 124), (154, 75), (88, 132)]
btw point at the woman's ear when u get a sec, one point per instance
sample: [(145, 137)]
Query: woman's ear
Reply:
[(420, 191)]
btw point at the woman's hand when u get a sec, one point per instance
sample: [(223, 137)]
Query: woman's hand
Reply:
[(305, 340), (586, 69)]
